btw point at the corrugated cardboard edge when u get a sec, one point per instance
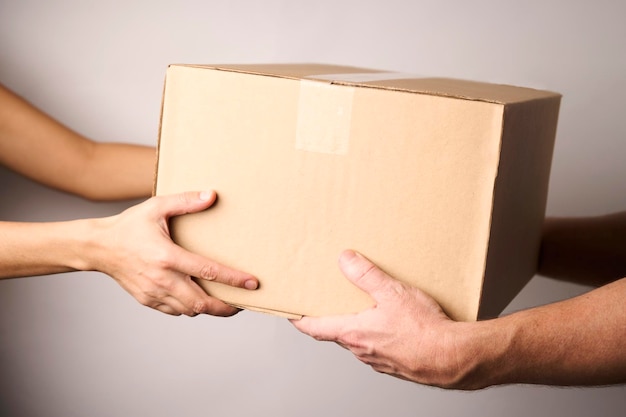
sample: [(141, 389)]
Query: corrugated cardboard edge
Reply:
[(434, 86), (271, 312), (294, 71), (505, 271), (158, 146), (462, 89)]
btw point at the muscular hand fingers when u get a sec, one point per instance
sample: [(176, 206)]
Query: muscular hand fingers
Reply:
[(368, 277), (322, 328)]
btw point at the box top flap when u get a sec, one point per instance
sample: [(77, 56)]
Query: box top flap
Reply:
[(355, 76)]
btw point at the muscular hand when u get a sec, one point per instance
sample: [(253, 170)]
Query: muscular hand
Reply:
[(135, 248), (406, 334)]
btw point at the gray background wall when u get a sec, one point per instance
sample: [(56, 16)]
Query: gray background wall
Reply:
[(78, 345)]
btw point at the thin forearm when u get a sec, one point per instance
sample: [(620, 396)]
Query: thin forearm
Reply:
[(28, 249), (574, 342), (44, 150), (119, 171)]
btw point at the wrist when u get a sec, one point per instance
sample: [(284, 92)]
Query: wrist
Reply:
[(87, 242), (483, 353)]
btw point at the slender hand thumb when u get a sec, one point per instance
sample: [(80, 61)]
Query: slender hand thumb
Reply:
[(188, 202)]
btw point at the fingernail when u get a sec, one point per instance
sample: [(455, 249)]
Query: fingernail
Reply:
[(205, 195), (348, 255), (250, 284)]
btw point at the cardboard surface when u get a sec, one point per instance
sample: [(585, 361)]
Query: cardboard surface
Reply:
[(442, 183)]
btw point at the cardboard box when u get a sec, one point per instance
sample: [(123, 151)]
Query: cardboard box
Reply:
[(441, 182)]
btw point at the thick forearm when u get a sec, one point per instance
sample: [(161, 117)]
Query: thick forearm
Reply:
[(575, 342), (587, 250), (407, 335), (28, 249)]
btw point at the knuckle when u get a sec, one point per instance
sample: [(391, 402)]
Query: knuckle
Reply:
[(155, 290), (355, 341), (173, 313), (163, 259), (319, 337), (184, 198), (378, 368), (209, 272), (349, 338), (167, 309), (161, 286), (199, 307), (146, 300), (150, 206)]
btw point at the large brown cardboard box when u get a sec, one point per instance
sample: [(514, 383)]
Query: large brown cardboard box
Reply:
[(441, 182)]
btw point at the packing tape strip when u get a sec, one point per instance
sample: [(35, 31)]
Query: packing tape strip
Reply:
[(324, 117), (325, 110)]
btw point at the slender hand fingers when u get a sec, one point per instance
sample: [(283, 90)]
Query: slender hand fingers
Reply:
[(201, 267), (196, 301), (193, 264), (167, 309), (183, 296)]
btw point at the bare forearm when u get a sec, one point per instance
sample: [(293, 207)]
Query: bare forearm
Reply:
[(575, 342), (589, 250), (28, 249), (119, 171), (39, 147)]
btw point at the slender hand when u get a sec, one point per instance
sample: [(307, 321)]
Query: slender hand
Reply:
[(407, 335), (133, 247), (161, 276)]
